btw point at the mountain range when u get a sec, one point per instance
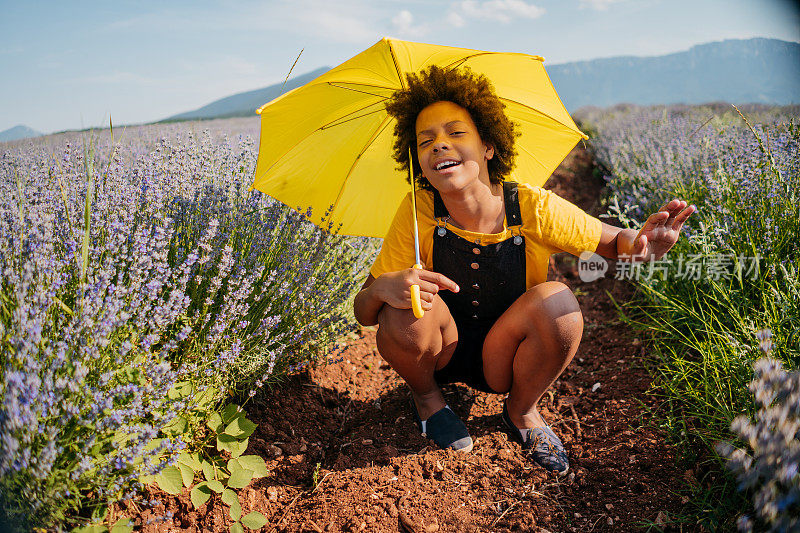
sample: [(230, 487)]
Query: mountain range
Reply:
[(18, 132), (754, 70), (758, 70)]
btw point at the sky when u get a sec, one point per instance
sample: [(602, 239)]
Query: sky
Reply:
[(75, 64)]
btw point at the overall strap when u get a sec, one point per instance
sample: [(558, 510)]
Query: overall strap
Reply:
[(439, 210), (510, 195)]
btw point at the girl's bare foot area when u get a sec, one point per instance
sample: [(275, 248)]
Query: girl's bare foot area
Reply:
[(429, 403)]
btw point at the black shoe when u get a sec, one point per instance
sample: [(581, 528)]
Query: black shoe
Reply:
[(445, 429), (542, 444)]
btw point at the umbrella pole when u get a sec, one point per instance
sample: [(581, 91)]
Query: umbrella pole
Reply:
[(416, 301)]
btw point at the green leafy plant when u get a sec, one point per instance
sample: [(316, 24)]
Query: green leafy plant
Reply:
[(230, 431)]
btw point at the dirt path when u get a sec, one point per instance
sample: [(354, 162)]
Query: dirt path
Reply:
[(344, 453)]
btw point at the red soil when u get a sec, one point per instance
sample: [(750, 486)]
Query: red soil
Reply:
[(351, 421)]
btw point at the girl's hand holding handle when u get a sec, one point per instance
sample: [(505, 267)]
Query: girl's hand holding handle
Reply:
[(394, 288)]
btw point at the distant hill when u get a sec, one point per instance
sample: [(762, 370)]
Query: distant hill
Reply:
[(245, 104), (18, 132), (737, 70)]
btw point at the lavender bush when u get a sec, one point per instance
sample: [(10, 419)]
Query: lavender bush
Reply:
[(769, 465), (142, 283), (746, 185), (744, 177)]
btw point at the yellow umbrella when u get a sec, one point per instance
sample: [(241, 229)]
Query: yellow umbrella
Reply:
[(329, 142)]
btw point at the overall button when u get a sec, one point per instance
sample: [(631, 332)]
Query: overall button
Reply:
[(475, 303), (476, 251), (476, 286), (474, 266)]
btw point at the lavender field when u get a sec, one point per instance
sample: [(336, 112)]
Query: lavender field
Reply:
[(726, 296), (142, 284)]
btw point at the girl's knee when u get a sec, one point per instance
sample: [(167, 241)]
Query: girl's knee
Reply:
[(399, 328), (554, 309)]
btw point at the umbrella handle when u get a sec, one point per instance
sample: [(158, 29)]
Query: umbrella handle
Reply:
[(416, 301)]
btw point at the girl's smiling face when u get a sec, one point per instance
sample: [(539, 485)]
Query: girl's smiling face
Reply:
[(450, 150)]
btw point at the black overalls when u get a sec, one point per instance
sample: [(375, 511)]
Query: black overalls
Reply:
[(491, 278)]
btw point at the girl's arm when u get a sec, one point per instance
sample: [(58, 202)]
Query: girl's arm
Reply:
[(659, 233)]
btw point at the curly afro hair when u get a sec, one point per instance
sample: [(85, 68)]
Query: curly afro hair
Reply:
[(471, 91)]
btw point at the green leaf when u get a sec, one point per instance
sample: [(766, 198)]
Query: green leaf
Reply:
[(235, 510), (240, 427), (231, 445), (93, 528), (216, 486), (192, 460), (123, 525), (99, 513), (170, 480), (187, 474), (153, 444), (182, 389), (236, 527), (251, 462), (240, 477), (205, 399), (208, 470), (200, 494), (254, 520), (230, 498), (176, 426), (215, 423), (230, 412)]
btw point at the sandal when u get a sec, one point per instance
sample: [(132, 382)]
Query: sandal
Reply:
[(542, 444), (445, 429)]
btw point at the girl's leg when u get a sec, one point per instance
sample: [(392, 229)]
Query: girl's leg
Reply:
[(530, 345), (416, 347)]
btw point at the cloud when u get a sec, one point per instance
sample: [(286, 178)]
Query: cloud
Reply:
[(500, 10), (454, 19), (598, 5), (403, 24), (333, 22)]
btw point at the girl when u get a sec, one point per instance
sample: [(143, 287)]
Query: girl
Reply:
[(492, 320)]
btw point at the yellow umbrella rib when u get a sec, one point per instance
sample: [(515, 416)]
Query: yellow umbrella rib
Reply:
[(333, 83), (571, 128), (371, 140), (533, 156), (397, 66), (456, 64), (341, 120)]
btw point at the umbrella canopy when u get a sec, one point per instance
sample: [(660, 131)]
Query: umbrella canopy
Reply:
[(329, 142)]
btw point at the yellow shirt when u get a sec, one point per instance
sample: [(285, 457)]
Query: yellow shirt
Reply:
[(550, 225)]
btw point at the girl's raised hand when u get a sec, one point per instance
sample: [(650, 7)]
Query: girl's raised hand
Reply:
[(661, 231), (394, 288)]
